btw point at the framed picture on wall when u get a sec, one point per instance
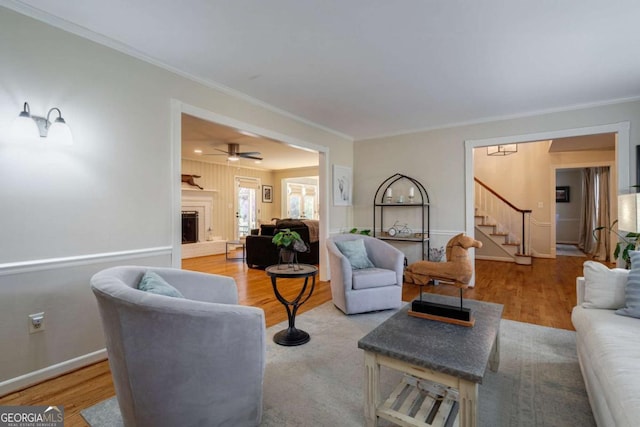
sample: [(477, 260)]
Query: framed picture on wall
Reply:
[(342, 185), (267, 194), (562, 194)]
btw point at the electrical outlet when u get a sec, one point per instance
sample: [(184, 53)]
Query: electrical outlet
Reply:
[(36, 322)]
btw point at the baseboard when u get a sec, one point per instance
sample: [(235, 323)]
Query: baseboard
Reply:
[(494, 258), (35, 377)]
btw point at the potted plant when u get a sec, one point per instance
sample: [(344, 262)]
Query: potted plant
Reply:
[(289, 243), (365, 232), (628, 242)]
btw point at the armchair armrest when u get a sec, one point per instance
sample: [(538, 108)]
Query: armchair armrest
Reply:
[(339, 266), (383, 255)]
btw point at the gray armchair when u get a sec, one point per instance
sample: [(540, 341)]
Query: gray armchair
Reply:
[(190, 362), (369, 289)]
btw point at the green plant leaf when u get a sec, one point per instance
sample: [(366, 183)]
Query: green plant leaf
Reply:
[(286, 238)]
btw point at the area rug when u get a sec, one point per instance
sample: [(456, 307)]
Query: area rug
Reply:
[(320, 383), (569, 250)]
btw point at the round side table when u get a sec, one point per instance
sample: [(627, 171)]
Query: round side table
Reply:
[(292, 336)]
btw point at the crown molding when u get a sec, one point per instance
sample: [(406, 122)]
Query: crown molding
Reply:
[(492, 119)]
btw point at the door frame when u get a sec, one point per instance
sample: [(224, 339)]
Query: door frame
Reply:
[(622, 129)]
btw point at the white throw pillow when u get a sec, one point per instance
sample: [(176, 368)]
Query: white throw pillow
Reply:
[(604, 287)]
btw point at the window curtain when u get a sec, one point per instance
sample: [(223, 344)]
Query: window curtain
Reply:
[(595, 212)]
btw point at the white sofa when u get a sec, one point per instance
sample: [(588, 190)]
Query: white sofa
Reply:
[(609, 353)]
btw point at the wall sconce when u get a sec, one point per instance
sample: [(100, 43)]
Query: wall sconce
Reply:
[(29, 127), (628, 210), (502, 150)]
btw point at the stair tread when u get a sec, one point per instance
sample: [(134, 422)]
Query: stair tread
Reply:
[(499, 234), (511, 244)]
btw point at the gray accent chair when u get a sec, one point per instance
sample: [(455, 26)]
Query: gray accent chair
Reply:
[(369, 289), (197, 361)]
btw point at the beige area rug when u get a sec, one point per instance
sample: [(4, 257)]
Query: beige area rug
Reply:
[(320, 383), (569, 250)]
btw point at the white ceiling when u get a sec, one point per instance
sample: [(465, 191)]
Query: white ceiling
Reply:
[(198, 134), (377, 67)]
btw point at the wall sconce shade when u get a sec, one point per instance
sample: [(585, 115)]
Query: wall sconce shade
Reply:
[(628, 207), (28, 127), (59, 132), (502, 150), (24, 127)]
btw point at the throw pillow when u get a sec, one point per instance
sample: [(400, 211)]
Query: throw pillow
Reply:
[(604, 287), (153, 283), (356, 253), (632, 291)]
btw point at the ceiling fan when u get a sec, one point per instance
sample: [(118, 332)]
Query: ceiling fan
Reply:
[(233, 153)]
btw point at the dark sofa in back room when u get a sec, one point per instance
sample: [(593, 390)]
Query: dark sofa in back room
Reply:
[(262, 253)]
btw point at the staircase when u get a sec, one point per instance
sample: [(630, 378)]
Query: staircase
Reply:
[(501, 227)]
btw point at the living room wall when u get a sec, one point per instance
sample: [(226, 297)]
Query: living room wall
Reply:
[(437, 158), (68, 212)]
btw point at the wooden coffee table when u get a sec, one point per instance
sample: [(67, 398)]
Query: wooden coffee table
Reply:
[(445, 364)]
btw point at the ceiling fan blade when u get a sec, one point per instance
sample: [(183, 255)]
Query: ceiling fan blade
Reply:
[(245, 156), (222, 151), (249, 153)]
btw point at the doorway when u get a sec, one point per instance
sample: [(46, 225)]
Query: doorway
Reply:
[(178, 109), (620, 165), (246, 205), (569, 201)]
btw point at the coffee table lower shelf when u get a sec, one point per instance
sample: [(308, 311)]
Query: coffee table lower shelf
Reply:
[(421, 403)]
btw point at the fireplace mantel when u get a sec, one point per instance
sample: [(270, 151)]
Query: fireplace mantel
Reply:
[(192, 191)]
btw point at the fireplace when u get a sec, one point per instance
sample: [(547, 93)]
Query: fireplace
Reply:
[(189, 227)]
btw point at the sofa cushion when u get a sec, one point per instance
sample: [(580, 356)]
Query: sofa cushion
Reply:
[(152, 282), (355, 252), (373, 278), (632, 290), (267, 229), (604, 287), (289, 223)]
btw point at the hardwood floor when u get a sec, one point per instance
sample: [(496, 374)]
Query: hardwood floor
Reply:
[(543, 294)]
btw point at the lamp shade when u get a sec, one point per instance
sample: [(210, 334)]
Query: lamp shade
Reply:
[(24, 128), (59, 133), (628, 212)]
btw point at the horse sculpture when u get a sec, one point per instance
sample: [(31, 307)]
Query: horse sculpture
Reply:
[(189, 179), (457, 270)]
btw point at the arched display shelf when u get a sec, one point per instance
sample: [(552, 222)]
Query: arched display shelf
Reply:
[(416, 199)]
